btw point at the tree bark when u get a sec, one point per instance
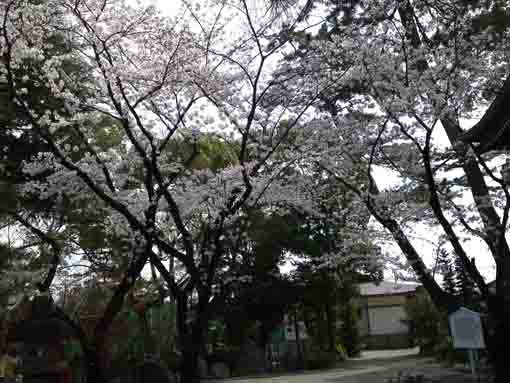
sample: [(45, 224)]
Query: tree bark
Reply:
[(94, 369), (330, 319), (192, 335), (299, 349), (115, 304), (499, 328), (191, 353), (440, 298)]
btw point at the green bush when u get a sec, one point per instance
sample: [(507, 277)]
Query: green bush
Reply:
[(341, 352), (445, 352), (427, 326)]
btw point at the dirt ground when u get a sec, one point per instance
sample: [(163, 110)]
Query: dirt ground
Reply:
[(383, 370), (428, 369)]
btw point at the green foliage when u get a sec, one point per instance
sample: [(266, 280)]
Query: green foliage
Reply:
[(209, 152), (216, 333), (7, 196), (465, 286), (214, 154), (109, 134), (92, 237), (426, 323), (341, 352), (445, 352), (263, 302), (445, 263)]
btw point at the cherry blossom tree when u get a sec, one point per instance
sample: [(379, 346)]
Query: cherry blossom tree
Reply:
[(418, 71), (161, 82)]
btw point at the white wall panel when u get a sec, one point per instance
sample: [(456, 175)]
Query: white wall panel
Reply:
[(387, 320)]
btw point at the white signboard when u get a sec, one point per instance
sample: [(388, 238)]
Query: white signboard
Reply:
[(467, 331)]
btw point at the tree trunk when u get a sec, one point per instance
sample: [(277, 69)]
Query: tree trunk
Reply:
[(330, 319), (94, 369), (498, 349), (190, 356), (299, 349), (192, 342), (499, 328)]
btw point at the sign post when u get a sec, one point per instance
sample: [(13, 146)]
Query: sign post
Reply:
[(467, 333)]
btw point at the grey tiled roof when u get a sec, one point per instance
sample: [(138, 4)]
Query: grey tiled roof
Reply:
[(386, 288)]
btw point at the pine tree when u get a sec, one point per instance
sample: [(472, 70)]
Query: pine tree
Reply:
[(465, 286), (445, 264), (449, 280)]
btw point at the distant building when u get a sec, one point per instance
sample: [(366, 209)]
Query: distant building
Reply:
[(382, 312)]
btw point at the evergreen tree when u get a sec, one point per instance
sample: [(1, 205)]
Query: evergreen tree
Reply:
[(449, 280), (464, 284), (445, 264)]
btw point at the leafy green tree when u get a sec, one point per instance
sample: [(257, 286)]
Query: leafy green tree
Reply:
[(318, 290), (266, 295), (426, 323)]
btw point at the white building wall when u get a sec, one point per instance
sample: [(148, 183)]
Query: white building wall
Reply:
[(387, 320)]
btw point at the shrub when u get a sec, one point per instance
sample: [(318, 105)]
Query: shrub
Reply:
[(426, 323), (445, 352), (341, 352)]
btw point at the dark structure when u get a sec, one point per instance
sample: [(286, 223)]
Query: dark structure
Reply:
[(492, 132)]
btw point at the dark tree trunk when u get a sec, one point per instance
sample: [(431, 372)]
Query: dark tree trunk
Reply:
[(331, 319), (182, 316), (192, 335), (190, 355), (500, 343), (299, 349), (499, 313), (94, 369)]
